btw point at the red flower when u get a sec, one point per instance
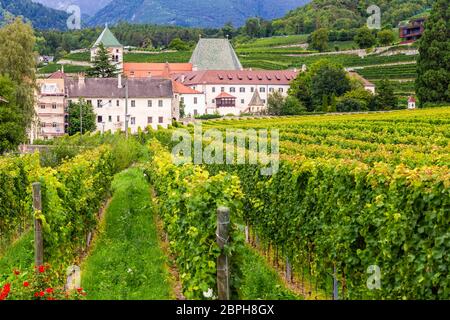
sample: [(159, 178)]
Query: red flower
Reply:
[(16, 272), (26, 284), (36, 294), (5, 291), (49, 290), (80, 290), (41, 269), (42, 293)]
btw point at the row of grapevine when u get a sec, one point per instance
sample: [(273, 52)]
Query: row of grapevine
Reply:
[(343, 214), (187, 200), (71, 196), (15, 195)]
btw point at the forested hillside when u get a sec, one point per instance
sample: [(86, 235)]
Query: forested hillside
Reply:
[(347, 14), (195, 13), (40, 16)]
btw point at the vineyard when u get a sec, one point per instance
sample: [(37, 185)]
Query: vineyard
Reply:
[(353, 194)]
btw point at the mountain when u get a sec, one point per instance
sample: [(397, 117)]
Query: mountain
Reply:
[(346, 14), (88, 7), (40, 16), (192, 13)]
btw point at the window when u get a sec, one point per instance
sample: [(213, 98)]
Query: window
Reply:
[(213, 100), (182, 99), (99, 103), (89, 102), (133, 103), (109, 118), (241, 89), (118, 118), (262, 89), (42, 106), (53, 105), (264, 100), (160, 119), (213, 89), (195, 100), (149, 120), (110, 103), (222, 89), (280, 90), (252, 89), (271, 89), (117, 103), (232, 89), (149, 103), (160, 103), (54, 124), (43, 124), (133, 120), (195, 112), (99, 119), (242, 101)]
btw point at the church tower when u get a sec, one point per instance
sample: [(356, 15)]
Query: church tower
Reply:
[(110, 42)]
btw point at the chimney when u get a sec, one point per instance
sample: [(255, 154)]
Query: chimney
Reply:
[(183, 77), (119, 81), (81, 79), (194, 67)]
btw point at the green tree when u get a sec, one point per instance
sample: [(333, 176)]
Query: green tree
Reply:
[(228, 30), (319, 40), (385, 98), (364, 38), (81, 116), (179, 45), (300, 88), (12, 131), (385, 37), (433, 64), (292, 106), (275, 103), (363, 96), (253, 27), (327, 79), (102, 66), (18, 61), (182, 109)]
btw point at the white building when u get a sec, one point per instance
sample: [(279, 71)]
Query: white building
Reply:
[(110, 42), (411, 103), (193, 101), (50, 108), (151, 101), (233, 91)]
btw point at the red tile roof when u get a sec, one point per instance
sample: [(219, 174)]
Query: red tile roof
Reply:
[(143, 70), (411, 99), (256, 77), (225, 95), (182, 89), (57, 75)]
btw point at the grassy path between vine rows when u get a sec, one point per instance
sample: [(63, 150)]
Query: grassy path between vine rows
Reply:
[(20, 255), (126, 261)]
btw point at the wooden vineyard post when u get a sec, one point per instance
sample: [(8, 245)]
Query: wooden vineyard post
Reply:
[(335, 285), (38, 239), (288, 271), (222, 235)]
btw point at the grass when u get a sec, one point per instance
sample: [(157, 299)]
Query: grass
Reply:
[(260, 281), (275, 41), (126, 261), (401, 71), (20, 255), (53, 67)]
